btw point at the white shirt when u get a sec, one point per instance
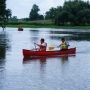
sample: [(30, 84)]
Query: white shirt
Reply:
[(44, 44)]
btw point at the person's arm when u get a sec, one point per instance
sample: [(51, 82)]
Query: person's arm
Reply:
[(40, 45), (67, 44), (37, 44)]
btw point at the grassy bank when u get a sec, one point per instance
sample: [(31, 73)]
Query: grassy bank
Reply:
[(42, 24), (49, 26)]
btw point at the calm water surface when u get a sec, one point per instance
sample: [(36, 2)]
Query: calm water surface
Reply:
[(55, 73)]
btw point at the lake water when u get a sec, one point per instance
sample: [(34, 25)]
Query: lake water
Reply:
[(55, 73)]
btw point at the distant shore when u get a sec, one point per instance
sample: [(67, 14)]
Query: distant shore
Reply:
[(49, 26), (42, 24)]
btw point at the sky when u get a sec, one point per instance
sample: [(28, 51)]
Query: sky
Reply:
[(22, 8)]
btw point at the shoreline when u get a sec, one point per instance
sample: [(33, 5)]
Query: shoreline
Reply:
[(49, 26)]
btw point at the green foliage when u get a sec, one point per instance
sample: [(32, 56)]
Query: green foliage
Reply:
[(51, 14), (38, 22), (2, 8), (8, 13), (34, 13), (2, 13), (74, 8), (73, 12), (64, 17), (84, 16)]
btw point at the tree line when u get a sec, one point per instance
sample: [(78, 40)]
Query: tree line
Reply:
[(73, 12), (4, 13), (76, 12)]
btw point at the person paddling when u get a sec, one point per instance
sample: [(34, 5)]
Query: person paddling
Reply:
[(42, 45), (64, 45)]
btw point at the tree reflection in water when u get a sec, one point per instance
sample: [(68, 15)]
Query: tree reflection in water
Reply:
[(70, 35), (3, 47)]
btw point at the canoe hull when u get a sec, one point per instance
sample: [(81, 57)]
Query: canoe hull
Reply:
[(30, 53)]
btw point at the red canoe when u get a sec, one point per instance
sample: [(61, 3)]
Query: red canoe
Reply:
[(30, 53)]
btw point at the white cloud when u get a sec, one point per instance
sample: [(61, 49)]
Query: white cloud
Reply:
[(21, 8)]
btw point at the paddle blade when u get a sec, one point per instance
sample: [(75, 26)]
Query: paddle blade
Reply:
[(51, 48)]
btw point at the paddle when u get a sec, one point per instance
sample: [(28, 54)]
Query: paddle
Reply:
[(36, 47), (36, 44), (52, 47)]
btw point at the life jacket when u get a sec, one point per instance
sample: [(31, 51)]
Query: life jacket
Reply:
[(64, 45)]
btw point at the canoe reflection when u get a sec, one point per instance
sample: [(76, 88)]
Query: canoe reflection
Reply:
[(28, 59), (43, 59)]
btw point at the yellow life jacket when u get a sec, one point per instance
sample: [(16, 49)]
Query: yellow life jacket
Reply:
[(64, 45)]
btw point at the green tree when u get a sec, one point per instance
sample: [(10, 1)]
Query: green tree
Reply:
[(84, 17), (8, 14), (14, 18), (64, 17), (34, 12), (2, 13), (58, 12), (51, 14), (74, 7), (74, 12), (41, 17)]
